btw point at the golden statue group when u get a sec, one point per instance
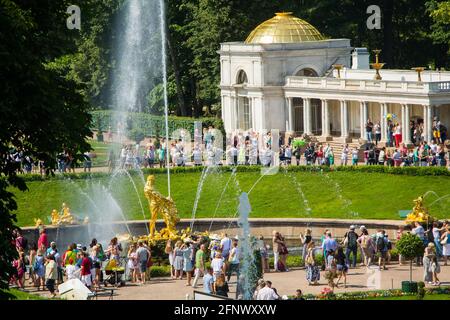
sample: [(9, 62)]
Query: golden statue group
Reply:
[(419, 213), (63, 218), (66, 217), (161, 206)]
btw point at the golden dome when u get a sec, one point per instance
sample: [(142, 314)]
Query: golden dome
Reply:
[(284, 28)]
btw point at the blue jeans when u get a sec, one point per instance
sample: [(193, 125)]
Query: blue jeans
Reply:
[(369, 136), (438, 246), (348, 251)]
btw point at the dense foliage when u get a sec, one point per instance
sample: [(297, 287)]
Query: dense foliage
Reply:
[(42, 110), (413, 33)]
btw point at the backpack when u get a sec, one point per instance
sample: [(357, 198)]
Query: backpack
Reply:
[(351, 240), (389, 245), (36, 264), (380, 244)]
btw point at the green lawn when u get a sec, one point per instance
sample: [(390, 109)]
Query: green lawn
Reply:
[(346, 195), (14, 294)]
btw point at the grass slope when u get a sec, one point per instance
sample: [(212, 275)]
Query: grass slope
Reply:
[(344, 195)]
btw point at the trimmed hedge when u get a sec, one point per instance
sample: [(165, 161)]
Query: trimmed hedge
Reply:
[(150, 125), (159, 271), (410, 171)]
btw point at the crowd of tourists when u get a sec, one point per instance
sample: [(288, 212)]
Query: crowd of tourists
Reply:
[(217, 258), (252, 148)]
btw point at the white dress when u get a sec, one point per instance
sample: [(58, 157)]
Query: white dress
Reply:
[(446, 249)]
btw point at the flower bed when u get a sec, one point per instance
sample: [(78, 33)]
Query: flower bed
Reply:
[(328, 294)]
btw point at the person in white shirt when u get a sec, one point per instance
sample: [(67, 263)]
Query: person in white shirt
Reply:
[(344, 156), (288, 154), (197, 154), (234, 155), (123, 157), (71, 272), (217, 265), (266, 293)]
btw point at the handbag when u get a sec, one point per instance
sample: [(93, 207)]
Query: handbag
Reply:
[(444, 241)]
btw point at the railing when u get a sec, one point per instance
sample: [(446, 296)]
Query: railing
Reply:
[(367, 85)]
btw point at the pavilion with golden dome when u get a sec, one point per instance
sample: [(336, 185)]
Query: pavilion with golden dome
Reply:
[(288, 76)]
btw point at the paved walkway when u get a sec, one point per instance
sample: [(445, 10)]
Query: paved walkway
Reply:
[(286, 283)]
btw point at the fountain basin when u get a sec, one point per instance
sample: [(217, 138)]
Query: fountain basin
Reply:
[(290, 228)]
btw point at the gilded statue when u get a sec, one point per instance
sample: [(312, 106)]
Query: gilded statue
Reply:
[(64, 218), (38, 222), (161, 206), (419, 212)]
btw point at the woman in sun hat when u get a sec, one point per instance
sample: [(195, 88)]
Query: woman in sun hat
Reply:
[(178, 260), (186, 248), (39, 269), (214, 246)]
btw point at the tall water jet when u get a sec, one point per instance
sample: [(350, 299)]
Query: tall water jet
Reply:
[(248, 269), (137, 60), (166, 107)]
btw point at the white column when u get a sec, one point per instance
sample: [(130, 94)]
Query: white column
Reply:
[(326, 118), (290, 115), (363, 118), (406, 131), (403, 122), (307, 115), (309, 118), (383, 124), (344, 119), (427, 122)]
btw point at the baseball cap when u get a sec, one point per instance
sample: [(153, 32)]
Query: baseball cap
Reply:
[(352, 227)]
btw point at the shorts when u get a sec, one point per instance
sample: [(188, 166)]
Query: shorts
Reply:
[(93, 273), (341, 267), (382, 254), (143, 266), (86, 279)]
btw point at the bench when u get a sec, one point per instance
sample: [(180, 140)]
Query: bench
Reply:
[(103, 292), (403, 213)]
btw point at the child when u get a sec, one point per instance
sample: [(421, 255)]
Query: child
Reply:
[(19, 264)]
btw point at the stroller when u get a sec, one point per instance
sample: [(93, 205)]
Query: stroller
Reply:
[(113, 272)]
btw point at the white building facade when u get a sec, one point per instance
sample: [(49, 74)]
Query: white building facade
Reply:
[(282, 77)]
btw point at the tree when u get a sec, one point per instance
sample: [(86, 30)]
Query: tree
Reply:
[(43, 112), (410, 246)]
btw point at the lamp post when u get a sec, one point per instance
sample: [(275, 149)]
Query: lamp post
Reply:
[(377, 65), (419, 70)]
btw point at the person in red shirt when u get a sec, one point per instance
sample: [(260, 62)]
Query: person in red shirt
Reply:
[(86, 271), (43, 240)]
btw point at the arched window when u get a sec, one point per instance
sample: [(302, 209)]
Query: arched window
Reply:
[(242, 77), (306, 72)]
